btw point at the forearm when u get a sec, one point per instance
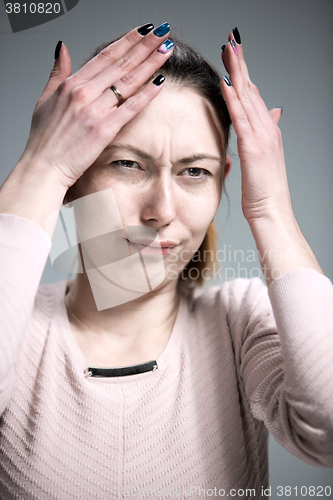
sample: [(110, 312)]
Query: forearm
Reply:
[(287, 367), (33, 193), (281, 246), (23, 252), (266, 200)]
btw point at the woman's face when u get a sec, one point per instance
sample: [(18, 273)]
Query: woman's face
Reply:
[(165, 169)]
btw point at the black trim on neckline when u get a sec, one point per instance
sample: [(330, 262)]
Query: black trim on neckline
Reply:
[(123, 371)]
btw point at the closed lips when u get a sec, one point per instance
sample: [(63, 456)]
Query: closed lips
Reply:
[(161, 244)]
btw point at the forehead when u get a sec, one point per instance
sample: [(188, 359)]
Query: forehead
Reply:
[(178, 119)]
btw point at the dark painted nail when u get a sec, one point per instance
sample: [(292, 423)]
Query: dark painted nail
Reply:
[(145, 29), (237, 35), (222, 48), (162, 30), (227, 81), (159, 80), (57, 50)]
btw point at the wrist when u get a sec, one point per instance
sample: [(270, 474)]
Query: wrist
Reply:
[(280, 219), (33, 192), (281, 246)]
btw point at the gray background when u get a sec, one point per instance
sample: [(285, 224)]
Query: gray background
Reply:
[(287, 46)]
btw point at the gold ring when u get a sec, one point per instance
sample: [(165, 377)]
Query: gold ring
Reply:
[(117, 94)]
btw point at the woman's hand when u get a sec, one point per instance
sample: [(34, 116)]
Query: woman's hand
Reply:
[(266, 200), (264, 180), (78, 116)]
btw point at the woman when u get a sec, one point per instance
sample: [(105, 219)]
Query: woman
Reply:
[(126, 382)]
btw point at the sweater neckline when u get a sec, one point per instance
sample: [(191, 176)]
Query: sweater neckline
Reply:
[(76, 357)]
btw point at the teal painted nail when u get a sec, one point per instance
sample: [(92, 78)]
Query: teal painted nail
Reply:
[(227, 81), (162, 30)]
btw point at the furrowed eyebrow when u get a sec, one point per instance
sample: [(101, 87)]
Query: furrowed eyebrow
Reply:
[(183, 161), (194, 158), (136, 151)]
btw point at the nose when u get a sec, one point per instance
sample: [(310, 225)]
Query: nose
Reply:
[(159, 202)]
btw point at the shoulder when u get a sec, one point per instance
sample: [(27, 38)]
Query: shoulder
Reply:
[(47, 300), (52, 289), (236, 296), (41, 328), (237, 308)]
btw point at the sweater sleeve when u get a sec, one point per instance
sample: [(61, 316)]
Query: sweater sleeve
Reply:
[(286, 361), (24, 249)]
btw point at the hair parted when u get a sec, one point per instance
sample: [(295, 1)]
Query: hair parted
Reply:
[(188, 67)]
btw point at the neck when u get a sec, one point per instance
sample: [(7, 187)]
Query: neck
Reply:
[(130, 333)]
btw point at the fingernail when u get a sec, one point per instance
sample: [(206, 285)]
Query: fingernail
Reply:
[(222, 48), (159, 80), (57, 50), (165, 47), (281, 107), (145, 29), (162, 30), (237, 36), (234, 48), (227, 81)]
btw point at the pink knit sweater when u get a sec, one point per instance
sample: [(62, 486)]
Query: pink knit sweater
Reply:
[(198, 422)]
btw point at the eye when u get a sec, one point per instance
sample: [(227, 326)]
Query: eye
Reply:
[(129, 164), (195, 172)]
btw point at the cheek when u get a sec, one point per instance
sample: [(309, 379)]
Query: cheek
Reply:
[(194, 209), (195, 204), (129, 201), (94, 181), (200, 207), (87, 184)]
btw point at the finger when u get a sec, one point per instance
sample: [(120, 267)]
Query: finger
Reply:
[(119, 52), (138, 65), (238, 116), (266, 117), (61, 70), (108, 56), (276, 114), (235, 35), (239, 47), (245, 92), (250, 90), (133, 81), (131, 107)]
